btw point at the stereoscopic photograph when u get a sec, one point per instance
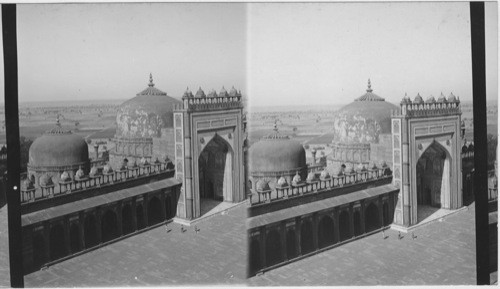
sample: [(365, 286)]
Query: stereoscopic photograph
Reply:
[(248, 144)]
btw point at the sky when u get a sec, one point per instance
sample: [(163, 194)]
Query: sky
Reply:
[(106, 51), (324, 53), (276, 53)]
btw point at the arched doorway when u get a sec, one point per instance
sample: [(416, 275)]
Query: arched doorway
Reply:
[(273, 248), (306, 237), (139, 214), (344, 226), (371, 218), (90, 231), (255, 263), (433, 180), (325, 232), (109, 226), (38, 250), (291, 251), (357, 223), (74, 237), (57, 242), (127, 219), (215, 171), (154, 211)]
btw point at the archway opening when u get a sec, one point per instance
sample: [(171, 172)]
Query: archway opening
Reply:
[(154, 211), (57, 242), (433, 181), (273, 248), (291, 251), (325, 232), (215, 172), (255, 263), (109, 226), (371, 218), (38, 250), (127, 219), (357, 223), (139, 214), (74, 237), (90, 231), (306, 237), (344, 226)]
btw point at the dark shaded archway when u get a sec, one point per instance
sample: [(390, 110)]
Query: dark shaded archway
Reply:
[(127, 219), (139, 214), (291, 250), (433, 176), (154, 211), (109, 226), (90, 231), (306, 237), (273, 248), (255, 262), (57, 242), (357, 223), (371, 218), (386, 214), (325, 232), (74, 238), (344, 226), (169, 207), (39, 250)]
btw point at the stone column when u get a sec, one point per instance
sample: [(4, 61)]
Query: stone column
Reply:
[(81, 230), (362, 211), (408, 219), (119, 218), (46, 236), (315, 231), (351, 221), (380, 206), (298, 224), (336, 231), (134, 214), (163, 208), (263, 246), (283, 241), (98, 225), (192, 209), (66, 227), (145, 208)]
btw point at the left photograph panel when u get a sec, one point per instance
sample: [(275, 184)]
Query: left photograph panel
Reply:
[(132, 121)]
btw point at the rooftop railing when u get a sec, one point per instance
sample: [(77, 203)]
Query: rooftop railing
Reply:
[(123, 175), (318, 185), (210, 103), (428, 109)]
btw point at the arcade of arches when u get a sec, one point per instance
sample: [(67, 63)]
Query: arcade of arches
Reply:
[(46, 242), (279, 243)]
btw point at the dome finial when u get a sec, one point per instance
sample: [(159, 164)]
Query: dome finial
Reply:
[(369, 86), (151, 80)]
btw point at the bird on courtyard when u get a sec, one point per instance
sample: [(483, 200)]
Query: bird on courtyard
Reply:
[(167, 228), (413, 236), (196, 229), (383, 235), (400, 236), (182, 229)]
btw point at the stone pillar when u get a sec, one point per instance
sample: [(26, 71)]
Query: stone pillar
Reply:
[(119, 218), (81, 230), (163, 208), (192, 209), (408, 219), (362, 211), (298, 244), (351, 221), (263, 246), (380, 207), (336, 228), (283, 240), (134, 214), (46, 236), (315, 231), (145, 209), (98, 225), (66, 227)]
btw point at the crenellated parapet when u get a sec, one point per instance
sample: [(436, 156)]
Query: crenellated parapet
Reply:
[(211, 102), (431, 107)]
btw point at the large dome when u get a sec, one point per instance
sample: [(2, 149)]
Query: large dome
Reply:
[(276, 153), (363, 120), (146, 114), (58, 148)]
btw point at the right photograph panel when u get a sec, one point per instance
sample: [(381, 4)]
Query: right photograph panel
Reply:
[(361, 144)]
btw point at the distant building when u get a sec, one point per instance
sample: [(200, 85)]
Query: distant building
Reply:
[(160, 170)]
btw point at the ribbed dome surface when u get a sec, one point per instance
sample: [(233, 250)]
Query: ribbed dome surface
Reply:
[(275, 154), (58, 148), (146, 114)]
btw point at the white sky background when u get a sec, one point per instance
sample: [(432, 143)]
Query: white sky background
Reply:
[(106, 51), (324, 53)]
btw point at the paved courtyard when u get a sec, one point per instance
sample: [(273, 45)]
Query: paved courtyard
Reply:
[(442, 253), (214, 255)]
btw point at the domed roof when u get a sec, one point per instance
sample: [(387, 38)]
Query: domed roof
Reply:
[(223, 92), (276, 153), (200, 93), (58, 148), (146, 114), (364, 119), (212, 93), (452, 98), (442, 98), (233, 92), (418, 99), (431, 99), (187, 93)]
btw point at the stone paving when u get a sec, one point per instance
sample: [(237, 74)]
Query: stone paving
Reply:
[(214, 255), (443, 253)]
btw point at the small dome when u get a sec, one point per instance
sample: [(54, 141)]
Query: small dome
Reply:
[(340, 171), (282, 183), (233, 92), (262, 186), (46, 181), (363, 168), (107, 169), (144, 161), (65, 177), (384, 165), (471, 147), (431, 99), (134, 164), (311, 177), (187, 93), (212, 93), (157, 161), (442, 98), (200, 93), (374, 166), (406, 100), (324, 175), (296, 179), (94, 171), (223, 92), (452, 98), (418, 99), (79, 174), (352, 170)]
